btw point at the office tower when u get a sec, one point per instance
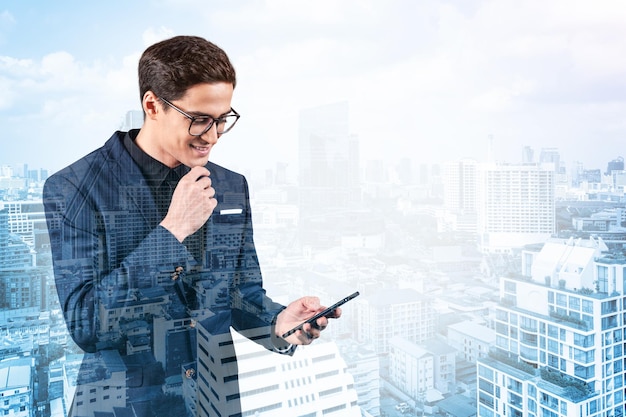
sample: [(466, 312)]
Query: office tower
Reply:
[(550, 156), (328, 158), (459, 182), (559, 335), (515, 205), (615, 165), (404, 171), (424, 174), (132, 120), (528, 155), (577, 171)]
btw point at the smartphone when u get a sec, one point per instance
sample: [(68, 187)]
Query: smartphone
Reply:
[(323, 313)]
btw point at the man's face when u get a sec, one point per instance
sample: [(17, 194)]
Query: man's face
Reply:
[(173, 145)]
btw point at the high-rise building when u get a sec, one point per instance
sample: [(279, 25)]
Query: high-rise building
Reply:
[(515, 205), (132, 120), (559, 335), (459, 180), (615, 165), (14, 253), (328, 173), (528, 155), (550, 156), (329, 159)]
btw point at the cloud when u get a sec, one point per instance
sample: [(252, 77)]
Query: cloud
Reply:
[(7, 20), (151, 35)]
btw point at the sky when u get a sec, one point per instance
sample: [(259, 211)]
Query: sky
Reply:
[(430, 80)]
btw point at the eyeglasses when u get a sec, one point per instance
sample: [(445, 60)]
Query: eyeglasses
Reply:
[(201, 124)]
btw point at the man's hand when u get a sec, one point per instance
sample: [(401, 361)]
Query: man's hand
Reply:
[(296, 313), (192, 204)]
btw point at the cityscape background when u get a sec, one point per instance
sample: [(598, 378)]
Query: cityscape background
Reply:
[(426, 154)]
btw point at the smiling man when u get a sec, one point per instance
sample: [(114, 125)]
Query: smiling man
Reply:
[(152, 242)]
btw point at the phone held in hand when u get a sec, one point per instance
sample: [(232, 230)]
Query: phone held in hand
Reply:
[(326, 312)]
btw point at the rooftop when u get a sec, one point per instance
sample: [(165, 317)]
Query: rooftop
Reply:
[(15, 373)]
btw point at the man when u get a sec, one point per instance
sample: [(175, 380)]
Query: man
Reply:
[(150, 240)]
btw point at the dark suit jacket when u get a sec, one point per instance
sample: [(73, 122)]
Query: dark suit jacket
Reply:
[(117, 271)]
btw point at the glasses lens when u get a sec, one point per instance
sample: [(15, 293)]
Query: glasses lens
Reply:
[(225, 123), (199, 125)]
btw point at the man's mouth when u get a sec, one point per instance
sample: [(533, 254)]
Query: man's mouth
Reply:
[(201, 148)]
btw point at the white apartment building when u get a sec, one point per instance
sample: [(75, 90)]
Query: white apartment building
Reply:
[(86, 384), (363, 364), (411, 367), (559, 336), (139, 304), (459, 180), (312, 382), (16, 387), (417, 369), (390, 312), (25, 218), (515, 205), (471, 340)]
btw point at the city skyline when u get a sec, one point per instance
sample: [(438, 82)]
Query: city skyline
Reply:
[(418, 282), (379, 97)]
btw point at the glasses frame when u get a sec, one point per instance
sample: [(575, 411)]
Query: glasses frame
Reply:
[(192, 119)]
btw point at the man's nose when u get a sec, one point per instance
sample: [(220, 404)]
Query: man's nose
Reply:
[(211, 136)]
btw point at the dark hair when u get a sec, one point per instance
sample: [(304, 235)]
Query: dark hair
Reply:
[(170, 67)]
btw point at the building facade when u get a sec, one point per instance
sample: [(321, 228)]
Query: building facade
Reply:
[(559, 336), (516, 205)]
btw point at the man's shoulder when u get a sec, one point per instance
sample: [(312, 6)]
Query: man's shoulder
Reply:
[(219, 171), (96, 160)]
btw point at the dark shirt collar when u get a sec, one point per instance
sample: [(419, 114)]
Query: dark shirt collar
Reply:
[(155, 172)]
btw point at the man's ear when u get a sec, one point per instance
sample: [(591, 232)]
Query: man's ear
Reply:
[(151, 105)]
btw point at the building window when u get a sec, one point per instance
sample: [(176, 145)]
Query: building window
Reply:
[(603, 278), (510, 286)]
